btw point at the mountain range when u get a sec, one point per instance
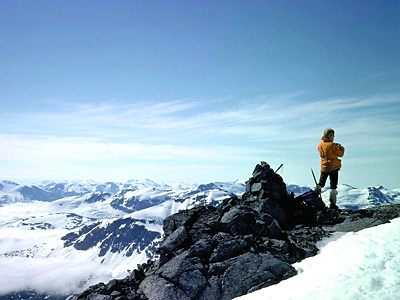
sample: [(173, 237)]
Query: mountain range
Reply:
[(110, 227)]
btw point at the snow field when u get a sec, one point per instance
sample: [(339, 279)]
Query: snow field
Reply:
[(361, 265)]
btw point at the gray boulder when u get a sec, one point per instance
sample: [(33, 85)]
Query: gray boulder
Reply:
[(155, 287), (176, 240), (254, 270), (239, 220)]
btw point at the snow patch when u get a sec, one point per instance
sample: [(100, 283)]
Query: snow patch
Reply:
[(361, 265)]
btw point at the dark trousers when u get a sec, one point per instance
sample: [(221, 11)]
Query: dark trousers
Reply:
[(333, 178)]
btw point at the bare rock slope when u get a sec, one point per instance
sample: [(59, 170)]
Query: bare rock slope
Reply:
[(245, 245)]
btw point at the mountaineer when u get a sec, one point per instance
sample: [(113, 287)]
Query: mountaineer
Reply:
[(330, 164)]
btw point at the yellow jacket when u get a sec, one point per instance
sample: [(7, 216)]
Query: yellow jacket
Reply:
[(329, 152)]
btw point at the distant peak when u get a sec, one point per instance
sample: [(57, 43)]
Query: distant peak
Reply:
[(348, 185), (9, 182)]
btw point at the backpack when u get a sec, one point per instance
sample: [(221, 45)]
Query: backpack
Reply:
[(311, 198)]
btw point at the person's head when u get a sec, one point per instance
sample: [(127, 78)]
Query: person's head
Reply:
[(329, 133)]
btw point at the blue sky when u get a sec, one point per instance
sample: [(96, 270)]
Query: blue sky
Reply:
[(197, 90)]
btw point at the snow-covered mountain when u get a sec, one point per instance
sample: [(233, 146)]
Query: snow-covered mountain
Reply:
[(9, 192), (353, 198), (296, 189), (109, 228)]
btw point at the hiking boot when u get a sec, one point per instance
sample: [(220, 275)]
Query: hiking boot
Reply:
[(332, 199), (318, 188)]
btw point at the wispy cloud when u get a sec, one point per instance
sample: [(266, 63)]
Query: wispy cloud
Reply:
[(220, 132), (196, 123), (268, 116), (383, 74), (23, 150)]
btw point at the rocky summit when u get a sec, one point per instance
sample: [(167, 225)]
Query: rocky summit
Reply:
[(246, 244)]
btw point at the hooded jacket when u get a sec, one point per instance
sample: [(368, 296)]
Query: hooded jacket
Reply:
[(329, 152)]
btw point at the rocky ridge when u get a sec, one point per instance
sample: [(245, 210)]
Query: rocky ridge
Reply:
[(245, 245)]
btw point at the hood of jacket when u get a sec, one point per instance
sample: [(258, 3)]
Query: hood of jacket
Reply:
[(325, 139)]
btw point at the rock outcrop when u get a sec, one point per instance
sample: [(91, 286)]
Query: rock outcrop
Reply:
[(220, 253)]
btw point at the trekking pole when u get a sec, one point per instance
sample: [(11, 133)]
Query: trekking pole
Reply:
[(279, 168), (315, 180)]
